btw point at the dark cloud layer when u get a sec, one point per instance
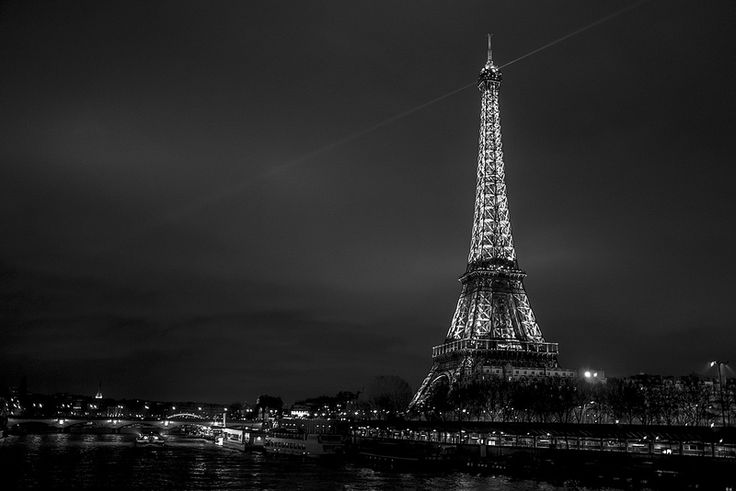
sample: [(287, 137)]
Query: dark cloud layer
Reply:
[(153, 237)]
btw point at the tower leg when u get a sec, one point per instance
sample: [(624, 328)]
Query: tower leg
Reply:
[(421, 395), (458, 372)]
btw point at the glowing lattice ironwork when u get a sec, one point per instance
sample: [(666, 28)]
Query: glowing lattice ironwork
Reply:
[(493, 323), (491, 238)]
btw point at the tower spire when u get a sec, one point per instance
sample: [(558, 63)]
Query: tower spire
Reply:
[(491, 240), (489, 63)]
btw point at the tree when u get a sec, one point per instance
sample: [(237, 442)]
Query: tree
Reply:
[(523, 397), (479, 397), (581, 400), (495, 390), (695, 399), (623, 399), (388, 395), (562, 399), (437, 404), (265, 403), (237, 410)]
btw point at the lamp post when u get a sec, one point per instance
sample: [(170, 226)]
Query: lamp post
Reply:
[(718, 364)]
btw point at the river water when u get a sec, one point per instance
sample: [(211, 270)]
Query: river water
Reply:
[(97, 461)]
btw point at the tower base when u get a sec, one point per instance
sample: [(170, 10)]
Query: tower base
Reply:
[(462, 366)]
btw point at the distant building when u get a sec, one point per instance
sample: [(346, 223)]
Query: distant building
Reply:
[(299, 411)]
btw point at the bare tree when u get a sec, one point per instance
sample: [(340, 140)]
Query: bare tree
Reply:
[(388, 395)]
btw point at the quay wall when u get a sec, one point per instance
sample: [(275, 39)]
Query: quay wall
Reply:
[(562, 465)]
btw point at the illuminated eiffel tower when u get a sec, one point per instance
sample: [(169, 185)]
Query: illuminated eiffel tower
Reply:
[(493, 328)]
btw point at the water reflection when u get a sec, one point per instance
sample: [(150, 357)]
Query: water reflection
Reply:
[(95, 461)]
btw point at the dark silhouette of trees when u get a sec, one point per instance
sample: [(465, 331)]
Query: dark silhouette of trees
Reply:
[(265, 403), (337, 405), (437, 406), (387, 395), (236, 410), (641, 399), (695, 400), (624, 399)]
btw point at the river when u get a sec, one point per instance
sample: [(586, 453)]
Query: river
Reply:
[(104, 461)]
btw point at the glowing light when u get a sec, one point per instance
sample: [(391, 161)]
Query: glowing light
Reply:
[(587, 374)]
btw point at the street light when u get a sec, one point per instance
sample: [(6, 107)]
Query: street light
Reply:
[(718, 364)]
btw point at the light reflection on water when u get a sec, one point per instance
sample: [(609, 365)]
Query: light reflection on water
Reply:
[(95, 461)]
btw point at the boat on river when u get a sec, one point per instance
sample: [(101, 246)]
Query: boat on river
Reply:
[(146, 438), (299, 443)]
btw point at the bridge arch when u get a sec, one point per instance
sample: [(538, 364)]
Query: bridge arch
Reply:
[(186, 415)]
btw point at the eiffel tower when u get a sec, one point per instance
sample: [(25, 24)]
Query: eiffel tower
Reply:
[(493, 327)]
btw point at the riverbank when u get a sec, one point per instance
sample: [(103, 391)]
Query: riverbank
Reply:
[(601, 455), (597, 469), (596, 455)]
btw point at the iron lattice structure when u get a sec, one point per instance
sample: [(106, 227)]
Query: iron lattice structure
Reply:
[(493, 324)]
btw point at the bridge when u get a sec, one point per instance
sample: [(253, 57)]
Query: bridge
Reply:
[(112, 425)]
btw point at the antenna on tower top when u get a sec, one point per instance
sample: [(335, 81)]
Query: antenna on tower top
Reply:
[(490, 51)]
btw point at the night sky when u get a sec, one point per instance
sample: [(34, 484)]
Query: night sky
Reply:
[(176, 222)]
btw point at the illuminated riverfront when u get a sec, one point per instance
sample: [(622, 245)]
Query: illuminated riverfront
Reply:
[(230, 234)]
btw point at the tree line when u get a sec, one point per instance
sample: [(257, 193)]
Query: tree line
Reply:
[(646, 400)]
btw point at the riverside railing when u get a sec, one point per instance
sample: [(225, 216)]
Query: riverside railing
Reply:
[(642, 445)]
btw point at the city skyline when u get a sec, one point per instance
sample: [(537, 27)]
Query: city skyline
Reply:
[(171, 231)]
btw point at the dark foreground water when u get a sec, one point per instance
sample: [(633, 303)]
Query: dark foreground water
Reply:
[(104, 461)]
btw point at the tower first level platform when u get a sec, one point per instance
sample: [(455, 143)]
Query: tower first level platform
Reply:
[(494, 321)]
